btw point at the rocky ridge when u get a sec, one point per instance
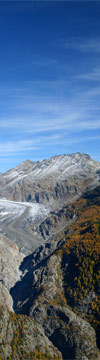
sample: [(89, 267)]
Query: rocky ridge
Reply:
[(41, 295), (34, 196), (56, 179), (35, 285)]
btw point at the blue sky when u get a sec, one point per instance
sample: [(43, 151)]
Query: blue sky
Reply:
[(49, 79)]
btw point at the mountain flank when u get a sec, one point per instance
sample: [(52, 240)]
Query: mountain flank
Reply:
[(58, 179), (50, 291)]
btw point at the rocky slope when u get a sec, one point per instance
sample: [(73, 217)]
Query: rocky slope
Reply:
[(51, 181), (10, 260), (23, 338), (52, 216), (60, 284), (38, 194)]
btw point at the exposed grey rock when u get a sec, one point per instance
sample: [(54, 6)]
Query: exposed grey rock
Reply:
[(58, 179), (35, 281), (10, 260), (40, 294), (50, 185), (23, 338), (73, 336)]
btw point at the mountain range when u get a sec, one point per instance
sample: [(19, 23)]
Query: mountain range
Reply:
[(49, 263)]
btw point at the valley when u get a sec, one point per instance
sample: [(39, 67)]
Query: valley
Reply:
[(15, 220), (49, 259)]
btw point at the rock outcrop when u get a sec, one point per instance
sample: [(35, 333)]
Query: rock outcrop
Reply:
[(10, 260), (50, 260), (52, 181), (23, 338)]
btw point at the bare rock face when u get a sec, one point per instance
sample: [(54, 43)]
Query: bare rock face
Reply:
[(73, 336), (34, 197), (40, 294), (36, 210), (5, 297), (23, 338), (10, 260), (59, 178)]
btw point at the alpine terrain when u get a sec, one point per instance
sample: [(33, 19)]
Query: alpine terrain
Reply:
[(50, 259)]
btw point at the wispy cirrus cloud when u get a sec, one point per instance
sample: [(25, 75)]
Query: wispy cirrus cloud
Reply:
[(16, 147), (35, 115), (12, 148), (49, 78), (44, 121), (85, 45), (93, 75)]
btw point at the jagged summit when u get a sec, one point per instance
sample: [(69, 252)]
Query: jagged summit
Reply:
[(47, 179), (62, 165)]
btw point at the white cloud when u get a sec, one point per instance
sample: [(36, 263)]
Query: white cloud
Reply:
[(76, 114), (45, 121), (11, 148), (94, 75), (14, 148), (84, 45)]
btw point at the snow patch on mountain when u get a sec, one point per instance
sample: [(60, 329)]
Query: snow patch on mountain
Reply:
[(61, 166)]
